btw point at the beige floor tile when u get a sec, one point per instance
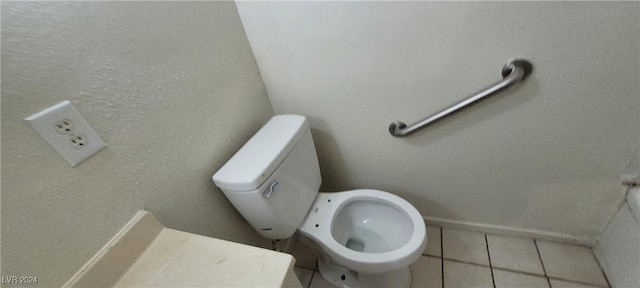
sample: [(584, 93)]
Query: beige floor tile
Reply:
[(571, 262), (518, 254), (433, 241), (462, 275), (304, 275), (464, 246), (305, 257), (319, 282), (426, 272), (565, 284), (506, 279)]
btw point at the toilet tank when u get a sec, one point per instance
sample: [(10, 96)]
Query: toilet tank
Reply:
[(274, 178)]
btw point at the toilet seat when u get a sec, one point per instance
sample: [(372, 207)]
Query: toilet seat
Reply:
[(393, 250)]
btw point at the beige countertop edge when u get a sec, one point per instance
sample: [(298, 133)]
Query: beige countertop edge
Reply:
[(180, 259), (113, 260), (146, 254)]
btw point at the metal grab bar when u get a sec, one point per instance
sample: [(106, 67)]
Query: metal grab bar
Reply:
[(513, 72)]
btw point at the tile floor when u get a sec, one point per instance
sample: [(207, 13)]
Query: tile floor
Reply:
[(458, 258)]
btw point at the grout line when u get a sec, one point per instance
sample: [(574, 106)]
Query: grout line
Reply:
[(606, 279), (442, 257), (486, 242), (311, 280), (497, 268), (430, 255), (519, 272), (544, 270), (465, 262), (310, 270)]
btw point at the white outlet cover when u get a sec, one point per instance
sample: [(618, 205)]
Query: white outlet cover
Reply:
[(65, 142)]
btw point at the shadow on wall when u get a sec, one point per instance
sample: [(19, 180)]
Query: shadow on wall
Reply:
[(329, 156), (332, 165), (482, 111)]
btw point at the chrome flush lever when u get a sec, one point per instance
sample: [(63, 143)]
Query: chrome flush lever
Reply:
[(270, 189)]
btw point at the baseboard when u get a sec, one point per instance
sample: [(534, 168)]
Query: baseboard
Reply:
[(510, 231)]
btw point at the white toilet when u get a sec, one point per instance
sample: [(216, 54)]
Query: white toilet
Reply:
[(366, 238)]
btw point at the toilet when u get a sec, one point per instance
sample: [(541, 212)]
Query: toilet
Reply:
[(364, 237)]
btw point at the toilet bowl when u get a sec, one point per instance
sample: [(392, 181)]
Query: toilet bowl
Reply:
[(368, 231), (364, 237)]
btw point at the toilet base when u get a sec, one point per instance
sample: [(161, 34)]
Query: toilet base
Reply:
[(337, 275), (342, 277)]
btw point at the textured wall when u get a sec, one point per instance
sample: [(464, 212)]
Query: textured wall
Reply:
[(174, 90), (546, 155)]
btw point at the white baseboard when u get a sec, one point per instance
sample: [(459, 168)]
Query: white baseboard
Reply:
[(510, 231)]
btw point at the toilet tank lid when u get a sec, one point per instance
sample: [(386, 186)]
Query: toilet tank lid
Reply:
[(262, 154)]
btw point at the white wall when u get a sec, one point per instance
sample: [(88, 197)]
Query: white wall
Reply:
[(174, 90), (543, 156)]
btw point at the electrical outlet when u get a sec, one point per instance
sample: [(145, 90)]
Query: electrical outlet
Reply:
[(64, 126), (79, 141), (66, 130)]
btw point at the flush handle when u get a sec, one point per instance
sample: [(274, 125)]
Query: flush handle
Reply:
[(270, 189)]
